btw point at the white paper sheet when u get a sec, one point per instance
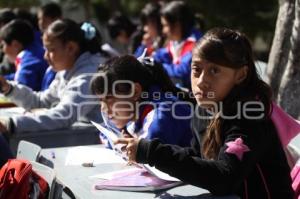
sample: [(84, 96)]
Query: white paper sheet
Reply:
[(112, 174), (160, 174), (112, 138), (83, 154), (14, 111), (110, 135)]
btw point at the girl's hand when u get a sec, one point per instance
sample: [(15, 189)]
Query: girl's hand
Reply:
[(4, 86), (130, 147), (3, 127), (125, 134)]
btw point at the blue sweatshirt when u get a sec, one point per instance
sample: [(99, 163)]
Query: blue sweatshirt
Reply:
[(67, 100), (163, 117), (49, 76), (30, 67), (176, 59)]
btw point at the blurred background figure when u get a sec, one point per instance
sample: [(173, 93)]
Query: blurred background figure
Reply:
[(47, 14), (178, 26), (24, 14), (121, 29), (6, 67), (152, 30), (18, 41)]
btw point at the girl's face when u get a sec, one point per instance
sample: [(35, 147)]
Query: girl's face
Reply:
[(123, 38), (44, 21), (172, 32), (211, 83), (11, 50), (118, 110), (150, 29), (59, 55)]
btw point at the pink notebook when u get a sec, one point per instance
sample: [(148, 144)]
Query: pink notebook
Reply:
[(135, 180)]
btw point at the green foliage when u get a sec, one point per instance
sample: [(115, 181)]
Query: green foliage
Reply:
[(101, 10), (18, 3), (133, 7), (252, 17), (104, 8)]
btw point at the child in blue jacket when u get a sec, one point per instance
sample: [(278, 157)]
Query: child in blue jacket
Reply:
[(27, 54), (138, 99), (177, 24), (152, 30), (47, 14)]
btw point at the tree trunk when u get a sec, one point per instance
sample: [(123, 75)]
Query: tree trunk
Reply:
[(278, 57), (284, 60), (289, 90), (87, 8)]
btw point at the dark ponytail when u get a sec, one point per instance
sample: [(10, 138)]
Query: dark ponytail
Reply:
[(68, 30), (146, 72), (158, 75)]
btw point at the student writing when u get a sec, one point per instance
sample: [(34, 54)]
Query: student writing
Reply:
[(138, 98), (236, 153), (74, 54)]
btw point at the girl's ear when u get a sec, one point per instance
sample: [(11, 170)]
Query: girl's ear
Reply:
[(137, 91), (17, 45), (72, 47), (241, 74)]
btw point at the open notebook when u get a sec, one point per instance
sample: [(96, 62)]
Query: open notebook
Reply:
[(141, 178), (134, 179)]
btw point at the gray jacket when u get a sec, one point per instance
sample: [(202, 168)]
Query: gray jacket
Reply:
[(67, 100)]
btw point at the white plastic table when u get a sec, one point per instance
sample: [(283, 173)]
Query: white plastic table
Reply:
[(77, 178)]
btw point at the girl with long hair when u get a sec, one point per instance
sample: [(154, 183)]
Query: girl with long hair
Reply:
[(238, 151)]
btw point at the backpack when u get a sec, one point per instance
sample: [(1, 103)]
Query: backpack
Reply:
[(288, 128), (295, 175), (19, 181)]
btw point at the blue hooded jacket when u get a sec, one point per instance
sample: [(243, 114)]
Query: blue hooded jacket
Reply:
[(161, 115), (30, 67), (179, 68)]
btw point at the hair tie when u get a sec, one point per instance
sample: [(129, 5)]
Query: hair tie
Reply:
[(89, 30)]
